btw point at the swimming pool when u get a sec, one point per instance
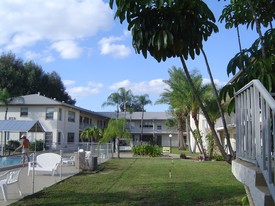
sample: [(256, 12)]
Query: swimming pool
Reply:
[(8, 161)]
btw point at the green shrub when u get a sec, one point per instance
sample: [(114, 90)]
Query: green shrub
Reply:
[(183, 156), (147, 150), (218, 158), (13, 144), (39, 145)]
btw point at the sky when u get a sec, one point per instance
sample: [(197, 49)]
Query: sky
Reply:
[(93, 54)]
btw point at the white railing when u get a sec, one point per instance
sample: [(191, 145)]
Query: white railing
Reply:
[(255, 122)]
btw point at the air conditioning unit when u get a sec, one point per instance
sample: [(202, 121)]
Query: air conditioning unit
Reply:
[(12, 118)]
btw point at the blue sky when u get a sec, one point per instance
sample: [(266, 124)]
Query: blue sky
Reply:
[(92, 52)]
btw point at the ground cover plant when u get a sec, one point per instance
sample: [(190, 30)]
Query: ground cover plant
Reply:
[(146, 181)]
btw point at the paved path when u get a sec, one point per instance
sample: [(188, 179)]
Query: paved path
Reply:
[(41, 181)]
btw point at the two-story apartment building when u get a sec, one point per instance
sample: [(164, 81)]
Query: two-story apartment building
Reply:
[(63, 123), (154, 129)]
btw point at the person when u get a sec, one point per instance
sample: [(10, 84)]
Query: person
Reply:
[(25, 143)]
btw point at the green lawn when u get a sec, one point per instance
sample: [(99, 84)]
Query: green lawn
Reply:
[(146, 181)]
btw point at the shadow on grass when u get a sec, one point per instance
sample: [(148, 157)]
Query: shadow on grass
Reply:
[(187, 193)]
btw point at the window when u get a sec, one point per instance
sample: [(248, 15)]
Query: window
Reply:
[(59, 138), (23, 111), (71, 116), (49, 113), (70, 137), (48, 139), (60, 114), (159, 127)]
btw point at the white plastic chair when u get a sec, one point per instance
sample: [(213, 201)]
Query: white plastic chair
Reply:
[(70, 160), (8, 178)]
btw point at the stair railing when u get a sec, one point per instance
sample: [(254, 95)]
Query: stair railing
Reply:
[(255, 124)]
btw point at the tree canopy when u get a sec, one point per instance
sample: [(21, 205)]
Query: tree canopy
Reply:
[(23, 78)]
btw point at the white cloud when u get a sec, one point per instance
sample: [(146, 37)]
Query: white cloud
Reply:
[(79, 92), (25, 23), (155, 86), (218, 83), (67, 49), (110, 46), (68, 82)]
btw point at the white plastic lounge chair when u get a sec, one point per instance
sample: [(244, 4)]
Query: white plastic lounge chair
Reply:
[(69, 160), (8, 178), (47, 162)]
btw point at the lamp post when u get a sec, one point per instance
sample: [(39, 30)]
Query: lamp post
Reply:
[(170, 137)]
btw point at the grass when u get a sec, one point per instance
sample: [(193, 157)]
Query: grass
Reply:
[(146, 181)]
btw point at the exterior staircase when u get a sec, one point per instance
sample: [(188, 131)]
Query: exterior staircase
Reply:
[(251, 176), (255, 142)]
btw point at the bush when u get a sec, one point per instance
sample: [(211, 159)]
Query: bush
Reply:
[(218, 158), (13, 144), (147, 150), (183, 156), (39, 145)]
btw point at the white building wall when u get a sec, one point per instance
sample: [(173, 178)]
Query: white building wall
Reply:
[(204, 127)]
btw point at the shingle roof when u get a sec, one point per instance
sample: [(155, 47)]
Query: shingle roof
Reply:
[(138, 115), (34, 99), (37, 99)]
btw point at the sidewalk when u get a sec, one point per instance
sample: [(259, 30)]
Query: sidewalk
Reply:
[(41, 181)]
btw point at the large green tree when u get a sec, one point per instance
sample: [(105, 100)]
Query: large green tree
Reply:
[(256, 62), (172, 29), (23, 78)]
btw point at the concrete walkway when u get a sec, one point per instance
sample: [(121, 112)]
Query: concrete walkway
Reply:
[(41, 181)]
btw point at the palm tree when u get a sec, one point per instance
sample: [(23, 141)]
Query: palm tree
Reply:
[(5, 99), (116, 129), (113, 99), (178, 99), (125, 96), (143, 100), (91, 133)]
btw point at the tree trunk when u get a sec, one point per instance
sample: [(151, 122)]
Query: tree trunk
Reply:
[(258, 27), (141, 131), (210, 123), (187, 133), (180, 131), (232, 153), (199, 140), (117, 147)]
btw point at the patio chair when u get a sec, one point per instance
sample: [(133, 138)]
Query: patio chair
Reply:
[(47, 162), (69, 160), (9, 178)]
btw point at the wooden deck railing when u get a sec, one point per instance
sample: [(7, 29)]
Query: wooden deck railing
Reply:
[(255, 115)]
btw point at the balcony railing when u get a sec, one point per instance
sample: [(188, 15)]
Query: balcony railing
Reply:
[(255, 115)]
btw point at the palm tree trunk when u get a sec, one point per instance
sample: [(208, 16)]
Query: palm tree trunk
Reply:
[(187, 132), (118, 150), (180, 131), (210, 123), (219, 106), (141, 131)]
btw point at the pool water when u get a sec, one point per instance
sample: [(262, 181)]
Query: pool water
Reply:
[(7, 161)]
